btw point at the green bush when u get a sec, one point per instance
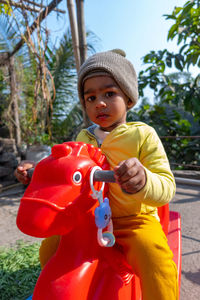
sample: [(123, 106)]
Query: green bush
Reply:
[(19, 270)]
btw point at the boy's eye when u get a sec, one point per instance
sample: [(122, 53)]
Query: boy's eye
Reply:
[(90, 99), (109, 94)]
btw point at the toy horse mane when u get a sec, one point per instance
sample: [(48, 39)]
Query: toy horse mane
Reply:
[(78, 148)]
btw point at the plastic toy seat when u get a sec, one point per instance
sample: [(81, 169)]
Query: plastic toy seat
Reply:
[(174, 239)]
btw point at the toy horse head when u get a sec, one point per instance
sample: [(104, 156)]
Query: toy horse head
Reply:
[(59, 193)]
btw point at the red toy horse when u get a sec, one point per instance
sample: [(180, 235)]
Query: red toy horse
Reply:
[(59, 201)]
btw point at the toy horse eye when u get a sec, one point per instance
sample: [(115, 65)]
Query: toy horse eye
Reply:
[(106, 217), (77, 177)]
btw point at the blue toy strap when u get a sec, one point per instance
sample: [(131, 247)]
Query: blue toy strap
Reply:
[(102, 214)]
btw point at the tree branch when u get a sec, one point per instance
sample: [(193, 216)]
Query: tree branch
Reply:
[(37, 21), (42, 6), (24, 6)]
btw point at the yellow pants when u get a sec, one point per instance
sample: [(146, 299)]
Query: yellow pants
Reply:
[(48, 248), (146, 249)]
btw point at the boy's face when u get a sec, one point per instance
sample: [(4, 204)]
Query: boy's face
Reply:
[(105, 103)]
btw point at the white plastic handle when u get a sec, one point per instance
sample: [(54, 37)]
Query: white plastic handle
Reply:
[(96, 194)]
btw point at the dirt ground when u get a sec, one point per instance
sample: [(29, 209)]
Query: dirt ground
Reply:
[(186, 201)]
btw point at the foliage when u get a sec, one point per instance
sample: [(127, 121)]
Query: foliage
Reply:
[(62, 66), (169, 121), (187, 31), (33, 77), (66, 129), (3, 94), (33, 111), (67, 113), (187, 93), (19, 270), (176, 109), (176, 94), (5, 8), (166, 88), (9, 36)]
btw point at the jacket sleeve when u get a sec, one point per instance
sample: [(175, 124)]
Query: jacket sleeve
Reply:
[(160, 185)]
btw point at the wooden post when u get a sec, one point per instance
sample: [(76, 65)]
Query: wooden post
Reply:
[(74, 32), (82, 44), (76, 39), (14, 102), (81, 30)]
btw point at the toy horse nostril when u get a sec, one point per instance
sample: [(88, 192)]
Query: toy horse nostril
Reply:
[(61, 150)]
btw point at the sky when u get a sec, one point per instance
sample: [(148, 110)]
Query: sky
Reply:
[(137, 27)]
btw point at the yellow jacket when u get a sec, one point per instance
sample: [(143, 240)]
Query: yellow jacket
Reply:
[(136, 139)]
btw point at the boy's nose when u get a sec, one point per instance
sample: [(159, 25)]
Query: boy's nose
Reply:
[(100, 102)]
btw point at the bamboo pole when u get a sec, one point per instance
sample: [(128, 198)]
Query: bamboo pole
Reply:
[(82, 44), (74, 32), (81, 30)]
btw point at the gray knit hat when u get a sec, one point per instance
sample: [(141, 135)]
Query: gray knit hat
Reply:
[(114, 64)]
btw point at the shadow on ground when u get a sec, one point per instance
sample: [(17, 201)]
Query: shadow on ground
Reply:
[(194, 277)]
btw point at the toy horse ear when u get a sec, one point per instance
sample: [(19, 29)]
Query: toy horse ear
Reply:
[(61, 150)]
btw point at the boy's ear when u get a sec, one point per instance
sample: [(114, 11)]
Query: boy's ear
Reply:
[(129, 104)]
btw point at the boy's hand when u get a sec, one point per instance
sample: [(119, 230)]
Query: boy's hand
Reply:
[(130, 175), (21, 171)]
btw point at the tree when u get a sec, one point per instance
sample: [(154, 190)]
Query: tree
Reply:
[(171, 121), (177, 105), (67, 113), (22, 71), (186, 29), (5, 8), (22, 17), (11, 112)]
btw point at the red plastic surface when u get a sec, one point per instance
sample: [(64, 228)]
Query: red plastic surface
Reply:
[(163, 213), (58, 202), (174, 240)]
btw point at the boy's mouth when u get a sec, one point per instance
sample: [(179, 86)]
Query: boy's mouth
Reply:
[(102, 116)]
